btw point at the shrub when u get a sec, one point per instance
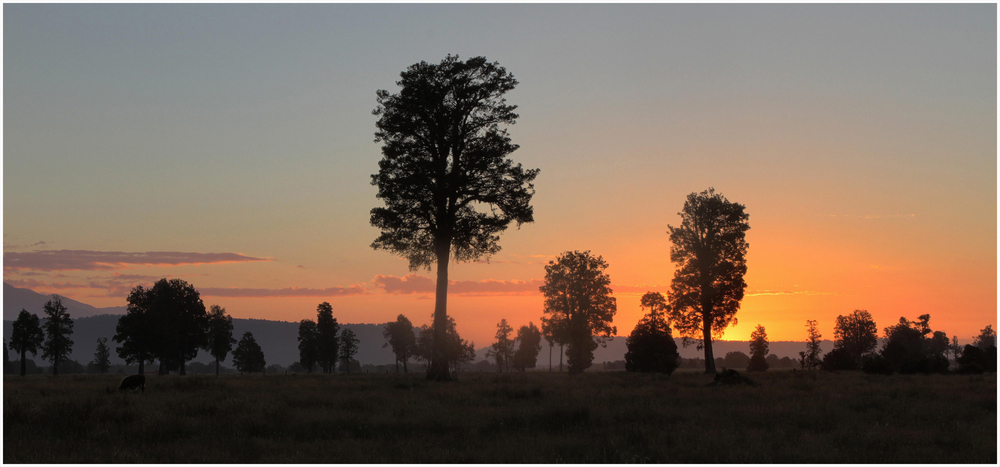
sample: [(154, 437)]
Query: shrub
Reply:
[(736, 359), (839, 359), (876, 364), (758, 363)]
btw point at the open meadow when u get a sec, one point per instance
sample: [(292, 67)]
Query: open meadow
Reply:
[(605, 417)]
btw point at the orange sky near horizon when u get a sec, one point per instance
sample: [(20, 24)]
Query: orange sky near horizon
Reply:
[(237, 155)]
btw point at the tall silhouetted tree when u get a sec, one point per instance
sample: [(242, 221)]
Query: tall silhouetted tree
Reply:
[(220, 334), (26, 336), (856, 334), (326, 337), (758, 349), (58, 327), (447, 183), (651, 345), (248, 356), (399, 335), (308, 344), (102, 356), (502, 350), (579, 304), (710, 250), (348, 348), (810, 358), (529, 343), (137, 329)]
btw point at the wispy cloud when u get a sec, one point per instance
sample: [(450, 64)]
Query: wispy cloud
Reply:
[(414, 284), (236, 292), (85, 260), (40, 244)]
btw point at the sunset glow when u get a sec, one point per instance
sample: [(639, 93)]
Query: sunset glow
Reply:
[(231, 146)]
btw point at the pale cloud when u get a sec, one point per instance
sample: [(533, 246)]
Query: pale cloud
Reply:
[(85, 260)]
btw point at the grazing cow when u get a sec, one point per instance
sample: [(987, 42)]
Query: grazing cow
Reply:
[(133, 382)]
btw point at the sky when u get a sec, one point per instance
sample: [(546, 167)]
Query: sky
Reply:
[(232, 146)]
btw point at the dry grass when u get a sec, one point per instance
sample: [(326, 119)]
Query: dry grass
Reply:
[(606, 417)]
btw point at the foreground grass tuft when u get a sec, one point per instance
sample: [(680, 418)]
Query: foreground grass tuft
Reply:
[(606, 417)]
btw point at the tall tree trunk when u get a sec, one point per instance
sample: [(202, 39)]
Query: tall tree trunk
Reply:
[(216, 366), (561, 353), (550, 357), (397, 364), (438, 370), (709, 355), (405, 370), (55, 366), (182, 368), (142, 366), (24, 366)]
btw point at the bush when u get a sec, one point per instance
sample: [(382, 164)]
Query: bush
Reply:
[(876, 364), (736, 359), (839, 359), (758, 363), (977, 360)]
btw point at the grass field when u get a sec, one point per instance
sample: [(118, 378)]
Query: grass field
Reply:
[(606, 417)]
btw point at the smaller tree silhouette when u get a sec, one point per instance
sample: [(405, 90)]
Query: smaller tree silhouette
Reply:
[(651, 346), (102, 356), (502, 351), (308, 344), (458, 351), (857, 336), (348, 348), (26, 336), (736, 359), (248, 356), (400, 336), (58, 327), (529, 343), (986, 338), (220, 334), (810, 358), (758, 350), (326, 337)]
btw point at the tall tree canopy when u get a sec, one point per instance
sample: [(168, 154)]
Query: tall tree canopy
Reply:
[(399, 335), (447, 183), (58, 327), (579, 304), (308, 344), (26, 336), (220, 334), (327, 342), (529, 342), (710, 250), (857, 334), (651, 346)]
